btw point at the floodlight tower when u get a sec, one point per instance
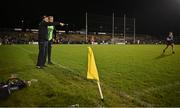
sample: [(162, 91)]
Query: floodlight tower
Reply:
[(124, 27), (134, 30), (86, 27), (113, 27)]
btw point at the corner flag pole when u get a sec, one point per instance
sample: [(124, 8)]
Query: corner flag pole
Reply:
[(100, 91)]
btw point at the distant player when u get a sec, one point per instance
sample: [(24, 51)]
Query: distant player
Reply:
[(170, 42)]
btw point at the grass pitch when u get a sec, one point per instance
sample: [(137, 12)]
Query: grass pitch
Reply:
[(130, 75)]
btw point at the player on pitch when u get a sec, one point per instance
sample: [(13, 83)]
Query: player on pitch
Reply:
[(169, 42)]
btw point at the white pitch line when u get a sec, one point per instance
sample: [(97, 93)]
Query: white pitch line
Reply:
[(162, 87), (62, 66), (154, 89), (28, 51), (137, 100)]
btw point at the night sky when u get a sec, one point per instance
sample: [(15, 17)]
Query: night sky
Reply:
[(152, 16)]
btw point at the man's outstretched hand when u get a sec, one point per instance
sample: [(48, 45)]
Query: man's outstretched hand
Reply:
[(62, 24)]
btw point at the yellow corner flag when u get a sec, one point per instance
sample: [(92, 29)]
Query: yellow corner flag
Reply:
[(92, 72)]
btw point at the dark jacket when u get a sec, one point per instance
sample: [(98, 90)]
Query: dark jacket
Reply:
[(43, 30)]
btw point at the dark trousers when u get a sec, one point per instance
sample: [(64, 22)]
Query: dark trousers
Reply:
[(42, 53), (49, 51)]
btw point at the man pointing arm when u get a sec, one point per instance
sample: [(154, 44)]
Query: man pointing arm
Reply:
[(43, 40)]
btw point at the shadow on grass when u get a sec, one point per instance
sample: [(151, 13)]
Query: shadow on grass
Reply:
[(163, 56)]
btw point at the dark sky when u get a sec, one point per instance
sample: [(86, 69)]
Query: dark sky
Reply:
[(152, 16)]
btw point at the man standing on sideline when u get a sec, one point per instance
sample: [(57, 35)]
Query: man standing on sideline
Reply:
[(43, 40), (170, 42), (51, 34)]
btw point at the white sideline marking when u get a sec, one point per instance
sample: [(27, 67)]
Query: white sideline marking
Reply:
[(137, 100), (162, 87), (123, 94), (150, 90), (28, 51), (62, 66)]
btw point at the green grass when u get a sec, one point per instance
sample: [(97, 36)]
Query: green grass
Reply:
[(130, 75)]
